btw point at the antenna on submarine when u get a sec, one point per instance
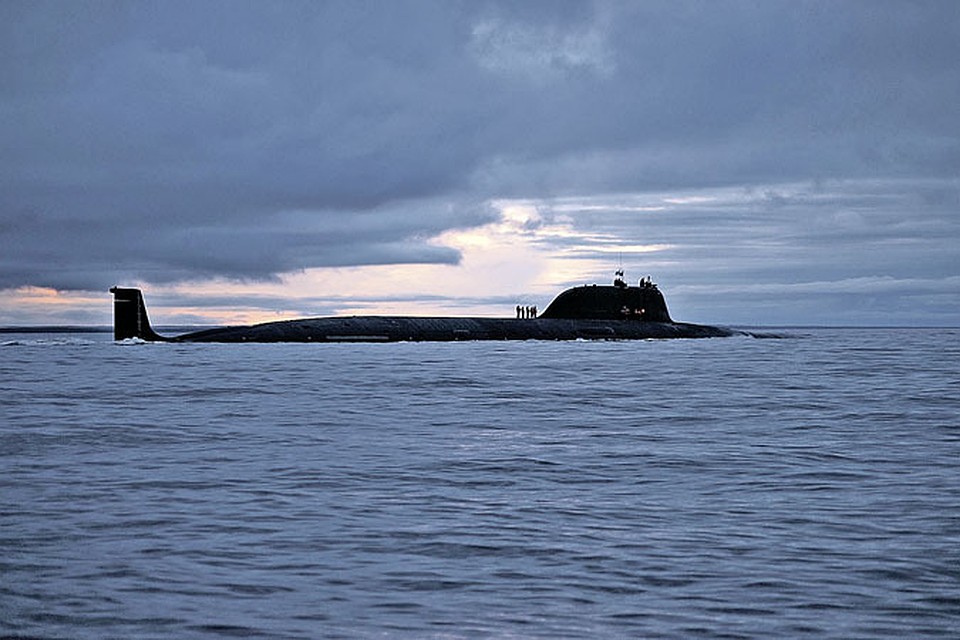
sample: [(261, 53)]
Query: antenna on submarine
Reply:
[(619, 281)]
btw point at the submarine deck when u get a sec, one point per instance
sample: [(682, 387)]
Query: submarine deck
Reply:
[(421, 329)]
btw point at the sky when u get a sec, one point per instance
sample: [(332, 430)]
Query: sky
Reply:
[(766, 162)]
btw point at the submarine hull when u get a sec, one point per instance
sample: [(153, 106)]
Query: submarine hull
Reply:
[(605, 314), (416, 329)]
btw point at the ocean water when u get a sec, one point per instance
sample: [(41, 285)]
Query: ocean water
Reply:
[(807, 486)]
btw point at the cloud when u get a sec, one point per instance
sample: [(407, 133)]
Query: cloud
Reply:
[(248, 142), (539, 53), (746, 255)]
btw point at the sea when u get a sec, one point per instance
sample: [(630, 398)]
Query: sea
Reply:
[(800, 483)]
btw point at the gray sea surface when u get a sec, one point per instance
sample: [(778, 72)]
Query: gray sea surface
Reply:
[(807, 486)]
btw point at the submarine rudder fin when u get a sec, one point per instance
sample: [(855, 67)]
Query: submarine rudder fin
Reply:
[(130, 316)]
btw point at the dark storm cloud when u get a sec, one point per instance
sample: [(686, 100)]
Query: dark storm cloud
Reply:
[(174, 141)]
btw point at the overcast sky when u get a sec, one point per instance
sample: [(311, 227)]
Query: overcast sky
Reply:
[(766, 162)]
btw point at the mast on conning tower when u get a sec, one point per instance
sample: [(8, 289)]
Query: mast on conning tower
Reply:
[(618, 281)]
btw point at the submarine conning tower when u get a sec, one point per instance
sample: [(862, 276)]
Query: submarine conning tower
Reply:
[(615, 302)]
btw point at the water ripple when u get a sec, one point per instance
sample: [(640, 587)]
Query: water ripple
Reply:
[(742, 488)]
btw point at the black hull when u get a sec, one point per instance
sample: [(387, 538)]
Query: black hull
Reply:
[(414, 329), (606, 313)]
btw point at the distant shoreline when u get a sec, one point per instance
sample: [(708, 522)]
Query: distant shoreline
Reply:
[(55, 329)]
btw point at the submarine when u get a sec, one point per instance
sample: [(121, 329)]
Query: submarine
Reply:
[(589, 312)]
